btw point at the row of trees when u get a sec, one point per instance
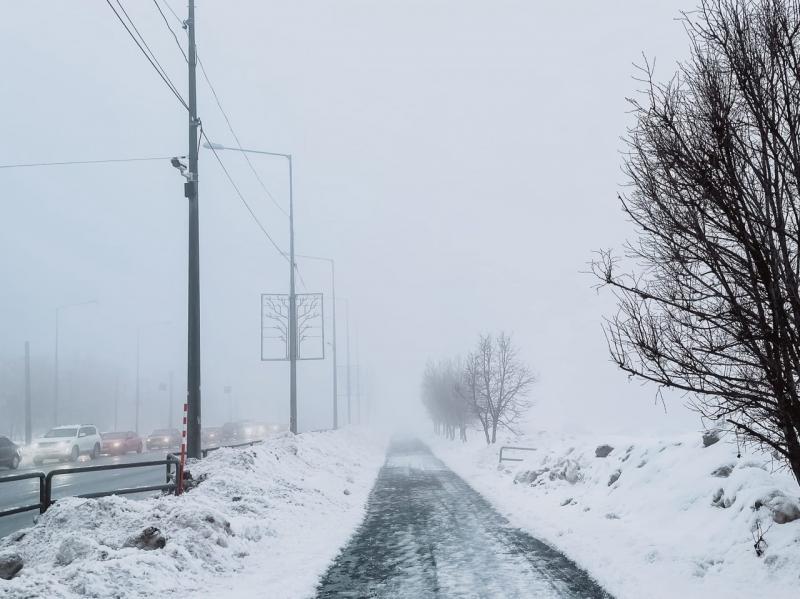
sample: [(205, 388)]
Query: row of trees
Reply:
[(712, 306), (490, 386)]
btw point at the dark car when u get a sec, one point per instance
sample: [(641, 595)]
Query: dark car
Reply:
[(212, 436), (10, 453), (119, 443), (169, 439)]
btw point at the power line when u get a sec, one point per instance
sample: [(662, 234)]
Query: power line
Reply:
[(241, 196), (236, 137), (70, 162), (174, 14), (141, 37), (171, 30), (161, 74)]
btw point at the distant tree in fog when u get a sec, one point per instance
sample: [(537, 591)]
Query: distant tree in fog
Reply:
[(490, 386), (441, 397), (495, 383)]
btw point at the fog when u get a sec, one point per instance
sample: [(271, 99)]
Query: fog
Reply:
[(458, 160)]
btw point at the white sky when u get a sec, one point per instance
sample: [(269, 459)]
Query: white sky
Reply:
[(459, 160)]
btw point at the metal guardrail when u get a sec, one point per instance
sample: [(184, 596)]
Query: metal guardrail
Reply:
[(208, 450), (508, 447), (26, 508), (46, 482)]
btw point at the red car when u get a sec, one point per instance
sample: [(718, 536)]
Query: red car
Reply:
[(119, 443)]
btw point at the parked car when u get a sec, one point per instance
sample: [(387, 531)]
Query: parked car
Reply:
[(163, 438), (10, 453), (119, 443), (67, 443), (212, 436)]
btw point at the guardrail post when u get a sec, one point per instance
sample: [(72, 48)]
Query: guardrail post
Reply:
[(48, 491), (42, 494)]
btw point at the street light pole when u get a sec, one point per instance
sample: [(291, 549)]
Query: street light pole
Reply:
[(193, 421), (138, 360), (349, 388), (333, 309), (292, 313), (292, 296)]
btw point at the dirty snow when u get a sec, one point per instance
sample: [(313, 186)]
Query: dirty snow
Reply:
[(268, 520), (656, 518)]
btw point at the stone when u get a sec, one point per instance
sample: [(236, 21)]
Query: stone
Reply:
[(10, 565), (719, 499), (614, 477), (602, 451), (150, 538), (528, 477), (723, 471), (784, 509), (711, 437)]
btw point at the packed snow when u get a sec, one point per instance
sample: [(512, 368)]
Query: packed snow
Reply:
[(265, 522), (654, 518)]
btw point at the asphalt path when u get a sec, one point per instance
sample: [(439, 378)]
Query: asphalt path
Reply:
[(427, 533), (26, 492)]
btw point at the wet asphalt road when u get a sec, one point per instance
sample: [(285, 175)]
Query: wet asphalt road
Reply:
[(429, 534)]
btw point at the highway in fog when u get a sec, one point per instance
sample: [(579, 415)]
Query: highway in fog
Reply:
[(26, 492)]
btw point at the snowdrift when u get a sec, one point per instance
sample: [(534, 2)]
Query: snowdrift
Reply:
[(653, 518), (265, 522)]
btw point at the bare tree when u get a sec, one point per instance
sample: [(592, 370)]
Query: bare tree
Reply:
[(714, 168), (496, 384)]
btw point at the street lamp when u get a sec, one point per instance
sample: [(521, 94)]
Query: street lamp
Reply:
[(347, 343), (292, 296), (55, 368), (333, 303)]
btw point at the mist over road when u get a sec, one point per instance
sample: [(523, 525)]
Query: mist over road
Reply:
[(427, 533)]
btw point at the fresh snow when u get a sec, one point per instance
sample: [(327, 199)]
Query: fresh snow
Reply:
[(266, 522), (654, 532)]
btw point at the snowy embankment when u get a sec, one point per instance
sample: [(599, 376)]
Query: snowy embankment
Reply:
[(654, 518), (265, 522)]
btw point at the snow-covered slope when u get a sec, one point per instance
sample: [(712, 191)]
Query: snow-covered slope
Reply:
[(655, 518), (265, 523)]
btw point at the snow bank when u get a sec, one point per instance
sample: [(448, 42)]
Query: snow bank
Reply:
[(655, 518), (265, 523)]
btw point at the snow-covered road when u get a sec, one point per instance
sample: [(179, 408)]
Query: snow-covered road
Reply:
[(427, 533)]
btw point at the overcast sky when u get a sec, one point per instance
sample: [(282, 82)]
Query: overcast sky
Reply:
[(458, 159)]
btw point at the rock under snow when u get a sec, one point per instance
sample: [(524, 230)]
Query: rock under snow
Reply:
[(723, 471), (602, 451), (10, 565), (711, 436), (671, 530), (150, 538), (784, 508)]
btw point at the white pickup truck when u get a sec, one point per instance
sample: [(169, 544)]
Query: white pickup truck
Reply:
[(67, 443)]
